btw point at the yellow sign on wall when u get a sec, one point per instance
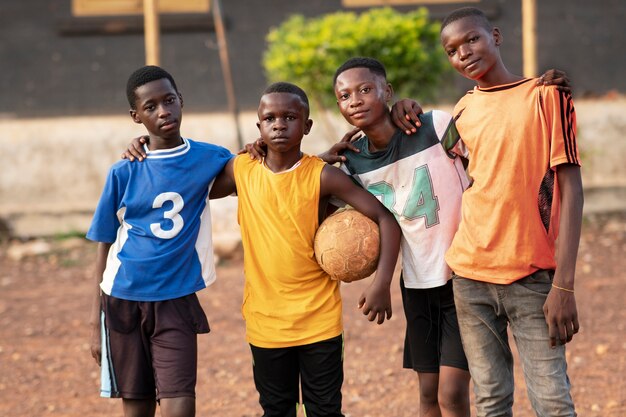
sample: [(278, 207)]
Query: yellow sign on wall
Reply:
[(374, 3), (129, 7)]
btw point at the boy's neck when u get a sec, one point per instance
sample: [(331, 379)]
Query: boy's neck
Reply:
[(158, 143), (282, 161), (379, 134), (498, 76)]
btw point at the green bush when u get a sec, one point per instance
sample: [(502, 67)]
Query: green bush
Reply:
[(308, 51)]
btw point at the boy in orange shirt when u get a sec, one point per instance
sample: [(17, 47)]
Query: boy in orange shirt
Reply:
[(510, 269)]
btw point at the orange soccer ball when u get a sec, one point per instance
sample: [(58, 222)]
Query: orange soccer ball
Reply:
[(347, 245)]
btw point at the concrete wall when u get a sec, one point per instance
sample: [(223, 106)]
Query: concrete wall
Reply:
[(53, 169)]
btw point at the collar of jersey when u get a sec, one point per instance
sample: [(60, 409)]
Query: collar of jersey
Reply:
[(293, 167), (168, 153)]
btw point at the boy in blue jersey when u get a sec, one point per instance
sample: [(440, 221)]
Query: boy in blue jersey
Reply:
[(154, 252)]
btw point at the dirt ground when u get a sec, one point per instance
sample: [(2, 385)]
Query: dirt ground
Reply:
[(46, 368)]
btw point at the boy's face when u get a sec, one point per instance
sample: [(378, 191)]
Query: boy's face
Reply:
[(159, 109), (472, 49), (362, 97), (283, 121)]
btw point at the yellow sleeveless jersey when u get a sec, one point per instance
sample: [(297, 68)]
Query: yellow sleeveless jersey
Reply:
[(288, 299)]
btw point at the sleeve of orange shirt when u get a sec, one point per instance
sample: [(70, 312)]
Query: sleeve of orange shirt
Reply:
[(560, 116)]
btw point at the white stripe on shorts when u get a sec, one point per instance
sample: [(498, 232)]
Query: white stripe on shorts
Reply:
[(108, 384)]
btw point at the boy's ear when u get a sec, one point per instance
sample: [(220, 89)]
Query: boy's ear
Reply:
[(388, 93), (307, 126), (180, 96), (133, 115), (497, 36)]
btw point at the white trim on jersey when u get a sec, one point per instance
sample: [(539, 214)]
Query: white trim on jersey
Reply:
[(113, 262), (441, 122), (204, 243), (168, 153)]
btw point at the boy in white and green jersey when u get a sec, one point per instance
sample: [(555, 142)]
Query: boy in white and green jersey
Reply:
[(420, 179)]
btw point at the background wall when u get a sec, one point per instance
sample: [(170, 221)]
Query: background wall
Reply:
[(53, 169), (50, 68), (63, 111)]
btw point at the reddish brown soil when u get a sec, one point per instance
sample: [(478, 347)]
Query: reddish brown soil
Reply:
[(46, 368)]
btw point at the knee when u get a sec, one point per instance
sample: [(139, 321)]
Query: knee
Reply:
[(178, 407), (428, 394), (453, 397)]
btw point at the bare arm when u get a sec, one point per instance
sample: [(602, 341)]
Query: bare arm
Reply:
[(375, 302), (94, 318), (224, 184), (560, 306)]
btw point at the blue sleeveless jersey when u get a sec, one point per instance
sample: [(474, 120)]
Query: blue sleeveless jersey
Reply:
[(157, 217)]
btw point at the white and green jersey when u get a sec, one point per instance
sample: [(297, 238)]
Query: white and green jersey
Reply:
[(420, 178)]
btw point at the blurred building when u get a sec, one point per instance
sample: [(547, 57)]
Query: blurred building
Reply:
[(54, 63)]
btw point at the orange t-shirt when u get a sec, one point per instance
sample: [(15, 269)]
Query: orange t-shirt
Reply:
[(515, 135)]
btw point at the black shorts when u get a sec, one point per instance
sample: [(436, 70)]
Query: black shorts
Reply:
[(432, 330), (149, 348), (318, 366)]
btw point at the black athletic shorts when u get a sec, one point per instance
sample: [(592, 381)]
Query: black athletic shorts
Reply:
[(149, 348), (318, 366), (432, 331)]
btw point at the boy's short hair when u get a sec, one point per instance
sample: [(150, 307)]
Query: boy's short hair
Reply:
[(372, 64), (477, 14), (142, 76), (285, 87)]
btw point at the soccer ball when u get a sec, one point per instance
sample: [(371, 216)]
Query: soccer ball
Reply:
[(347, 245)]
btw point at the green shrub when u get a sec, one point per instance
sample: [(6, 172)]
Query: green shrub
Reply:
[(307, 51)]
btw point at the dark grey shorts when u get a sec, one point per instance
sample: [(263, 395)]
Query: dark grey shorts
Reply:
[(149, 349), (432, 335)]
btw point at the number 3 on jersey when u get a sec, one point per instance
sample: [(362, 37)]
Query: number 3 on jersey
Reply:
[(172, 215), (421, 201)]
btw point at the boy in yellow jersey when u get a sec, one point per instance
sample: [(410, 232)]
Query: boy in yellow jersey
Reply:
[(510, 269), (292, 308)]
